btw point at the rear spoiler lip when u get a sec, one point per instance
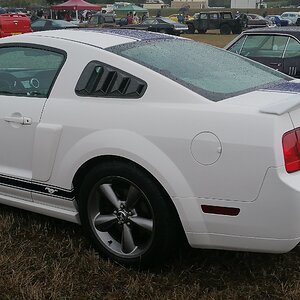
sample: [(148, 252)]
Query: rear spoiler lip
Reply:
[(289, 104)]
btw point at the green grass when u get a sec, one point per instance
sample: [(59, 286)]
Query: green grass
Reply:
[(44, 258)]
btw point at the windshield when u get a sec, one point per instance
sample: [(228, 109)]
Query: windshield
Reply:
[(211, 72)]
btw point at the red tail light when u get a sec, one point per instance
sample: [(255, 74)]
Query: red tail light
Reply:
[(291, 150)]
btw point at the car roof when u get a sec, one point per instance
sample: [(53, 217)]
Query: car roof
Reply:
[(291, 12), (294, 31), (102, 38)]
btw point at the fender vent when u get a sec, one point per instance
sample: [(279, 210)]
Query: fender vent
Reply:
[(101, 80)]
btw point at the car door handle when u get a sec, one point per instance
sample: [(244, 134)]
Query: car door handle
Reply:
[(19, 120)]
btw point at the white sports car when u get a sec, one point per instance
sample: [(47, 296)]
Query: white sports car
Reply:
[(140, 136)]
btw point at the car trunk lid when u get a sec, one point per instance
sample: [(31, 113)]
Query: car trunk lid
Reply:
[(12, 24)]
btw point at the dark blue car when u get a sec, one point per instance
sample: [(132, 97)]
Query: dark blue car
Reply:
[(277, 20)]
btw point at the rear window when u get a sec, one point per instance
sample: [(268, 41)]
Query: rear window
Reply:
[(211, 72)]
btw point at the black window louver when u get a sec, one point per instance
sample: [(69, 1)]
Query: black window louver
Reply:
[(101, 80)]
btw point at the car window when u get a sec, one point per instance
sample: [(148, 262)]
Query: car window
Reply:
[(94, 20), (213, 16), (26, 71), (109, 19), (101, 80), (203, 16), (227, 16), (292, 49), (211, 72), (149, 21), (264, 46), (38, 23), (236, 48)]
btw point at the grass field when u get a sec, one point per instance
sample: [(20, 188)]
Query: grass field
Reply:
[(45, 258), (212, 37)]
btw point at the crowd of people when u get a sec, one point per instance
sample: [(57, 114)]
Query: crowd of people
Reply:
[(133, 18)]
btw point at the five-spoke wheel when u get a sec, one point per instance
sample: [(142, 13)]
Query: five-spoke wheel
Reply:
[(126, 214), (121, 216)]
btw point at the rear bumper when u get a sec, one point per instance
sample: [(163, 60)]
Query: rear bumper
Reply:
[(270, 223)]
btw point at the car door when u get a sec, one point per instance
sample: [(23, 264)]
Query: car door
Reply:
[(291, 58), (203, 20), (267, 49), (49, 25), (23, 93), (150, 24), (213, 21), (38, 25)]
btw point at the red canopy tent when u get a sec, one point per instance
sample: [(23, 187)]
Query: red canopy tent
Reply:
[(76, 5)]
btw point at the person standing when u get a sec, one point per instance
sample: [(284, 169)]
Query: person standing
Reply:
[(135, 19), (144, 16), (67, 17), (130, 18)]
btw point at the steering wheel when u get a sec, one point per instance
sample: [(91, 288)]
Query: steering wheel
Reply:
[(10, 84)]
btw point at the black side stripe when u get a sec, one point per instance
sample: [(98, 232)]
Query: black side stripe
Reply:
[(36, 187)]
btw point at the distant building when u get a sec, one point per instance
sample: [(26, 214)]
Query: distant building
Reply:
[(246, 3), (191, 3)]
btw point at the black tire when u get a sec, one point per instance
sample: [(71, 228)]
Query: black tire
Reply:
[(225, 29), (126, 215), (191, 28)]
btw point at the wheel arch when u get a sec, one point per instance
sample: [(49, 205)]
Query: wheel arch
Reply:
[(130, 146), (91, 163)]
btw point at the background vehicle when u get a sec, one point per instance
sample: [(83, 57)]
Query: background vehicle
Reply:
[(48, 24), (292, 16), (224, 21), (100, 20), (278, 48), (13, 24), (256, 21), (278, 21), (159, 24)]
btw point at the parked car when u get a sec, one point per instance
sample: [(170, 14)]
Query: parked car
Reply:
[(49, 24), (13, 24), (222, 20), (292, 16), (159, 24), (256, 21), (101, 20), (278, 48), (147, 136), (278, 21)]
